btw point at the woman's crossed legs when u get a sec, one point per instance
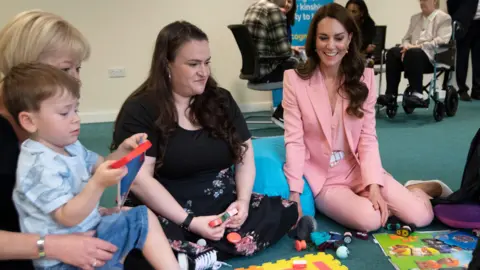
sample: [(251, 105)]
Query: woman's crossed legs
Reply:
[(355, 211)]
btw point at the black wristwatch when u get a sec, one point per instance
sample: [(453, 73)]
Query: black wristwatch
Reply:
[(186, 223)]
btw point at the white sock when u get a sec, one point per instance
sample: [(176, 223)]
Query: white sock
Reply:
[(419, 95)]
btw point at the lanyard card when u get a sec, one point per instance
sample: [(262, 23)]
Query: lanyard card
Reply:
[(134, 161)]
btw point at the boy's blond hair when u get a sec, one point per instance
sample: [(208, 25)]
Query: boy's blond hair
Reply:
[(34, 34), (26, 86)]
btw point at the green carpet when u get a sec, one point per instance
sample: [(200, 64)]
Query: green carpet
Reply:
[(412, 147)]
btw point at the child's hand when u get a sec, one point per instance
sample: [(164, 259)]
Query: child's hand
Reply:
[(105, 176), (132, 142)]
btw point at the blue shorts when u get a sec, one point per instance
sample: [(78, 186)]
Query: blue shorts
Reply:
[(126, 230)]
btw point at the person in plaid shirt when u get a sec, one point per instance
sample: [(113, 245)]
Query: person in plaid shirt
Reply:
[(267, 23)]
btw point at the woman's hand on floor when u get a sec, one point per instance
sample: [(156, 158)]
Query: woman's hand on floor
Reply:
[(295, 197), (237, 220), (200, 226), (375, 196)]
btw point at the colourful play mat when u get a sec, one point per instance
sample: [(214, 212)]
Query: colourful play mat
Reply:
[(319, 261)]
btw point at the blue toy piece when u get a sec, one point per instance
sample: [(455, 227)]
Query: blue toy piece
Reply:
[(342, 252), (270, 179), (335, 236), (319, 238)]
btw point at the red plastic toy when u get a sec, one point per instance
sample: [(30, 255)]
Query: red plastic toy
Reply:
[(361, 235), (216, 222), (234, 237), (142, 148)]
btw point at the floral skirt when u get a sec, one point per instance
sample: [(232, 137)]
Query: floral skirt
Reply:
[(269, 219)]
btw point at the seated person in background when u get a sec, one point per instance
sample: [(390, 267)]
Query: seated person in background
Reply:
[(267, 23), (59, 182), (427, 30), (360, 13), (330, 135)]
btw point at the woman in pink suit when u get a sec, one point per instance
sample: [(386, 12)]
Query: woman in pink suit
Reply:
[(330, 133)]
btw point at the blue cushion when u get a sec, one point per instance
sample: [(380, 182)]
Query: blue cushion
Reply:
[(270, 179)]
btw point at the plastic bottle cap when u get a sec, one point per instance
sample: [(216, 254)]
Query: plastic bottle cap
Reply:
[(234, 237)]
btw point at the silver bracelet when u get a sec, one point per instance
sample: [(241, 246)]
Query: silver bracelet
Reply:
[(41, 247)]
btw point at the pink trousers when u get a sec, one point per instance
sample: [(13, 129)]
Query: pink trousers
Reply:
[(341, 200)]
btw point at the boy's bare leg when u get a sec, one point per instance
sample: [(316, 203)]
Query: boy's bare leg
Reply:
[(157, 250)]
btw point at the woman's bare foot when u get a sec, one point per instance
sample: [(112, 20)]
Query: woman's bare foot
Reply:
[(433, 189)]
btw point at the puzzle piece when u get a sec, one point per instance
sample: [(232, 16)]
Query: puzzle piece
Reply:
[(319, 261)]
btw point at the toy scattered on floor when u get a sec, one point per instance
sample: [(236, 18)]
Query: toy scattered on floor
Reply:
[(326, 240), (347, 238), (342, 252), (319, 261), (400, 228), (406, 230), (218, 221), (299, 264), (361, 235)]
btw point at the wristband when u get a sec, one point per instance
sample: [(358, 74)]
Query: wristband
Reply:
[(186, 223), (41, 247)]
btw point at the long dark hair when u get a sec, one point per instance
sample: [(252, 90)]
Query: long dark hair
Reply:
[(366, 19), (352, 65), (209, 110), (291, 13)]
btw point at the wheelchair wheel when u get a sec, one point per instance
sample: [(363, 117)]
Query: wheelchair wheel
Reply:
[(408, 110), (439, 111), (451, 101), (391, 111)]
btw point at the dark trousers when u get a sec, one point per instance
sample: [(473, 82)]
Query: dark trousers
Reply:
[(415, 63), (277, 74), (471, 41)]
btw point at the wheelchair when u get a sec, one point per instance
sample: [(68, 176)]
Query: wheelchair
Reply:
[(444, 63)]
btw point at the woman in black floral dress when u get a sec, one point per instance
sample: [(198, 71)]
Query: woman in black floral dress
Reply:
[(201, 161)]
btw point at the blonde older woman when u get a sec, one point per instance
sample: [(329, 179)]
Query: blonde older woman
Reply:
[(428, 29), (45, 37)]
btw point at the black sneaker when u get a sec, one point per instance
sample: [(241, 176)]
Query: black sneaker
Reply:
[(277, 117), (385, 100), (305, 226), (475, 94), (464, 96)]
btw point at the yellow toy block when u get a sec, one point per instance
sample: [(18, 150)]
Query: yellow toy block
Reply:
[(319, 261)]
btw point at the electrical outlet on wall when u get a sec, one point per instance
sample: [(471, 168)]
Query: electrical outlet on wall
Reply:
[(117, 72)]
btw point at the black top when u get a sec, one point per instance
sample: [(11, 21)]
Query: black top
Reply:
[(8, 164), (192, 157), (368, 32)]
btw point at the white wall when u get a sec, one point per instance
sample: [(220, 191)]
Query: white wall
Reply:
[(122, 34)]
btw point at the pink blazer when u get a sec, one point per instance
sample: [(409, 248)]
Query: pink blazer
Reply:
[(307, 115)]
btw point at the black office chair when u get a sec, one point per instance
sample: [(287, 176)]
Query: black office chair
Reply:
[(380, 52), (251, 63)]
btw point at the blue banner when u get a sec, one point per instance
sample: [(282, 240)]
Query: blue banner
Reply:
[(305, 11)]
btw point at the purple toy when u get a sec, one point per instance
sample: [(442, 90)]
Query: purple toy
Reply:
[(460, 216)]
